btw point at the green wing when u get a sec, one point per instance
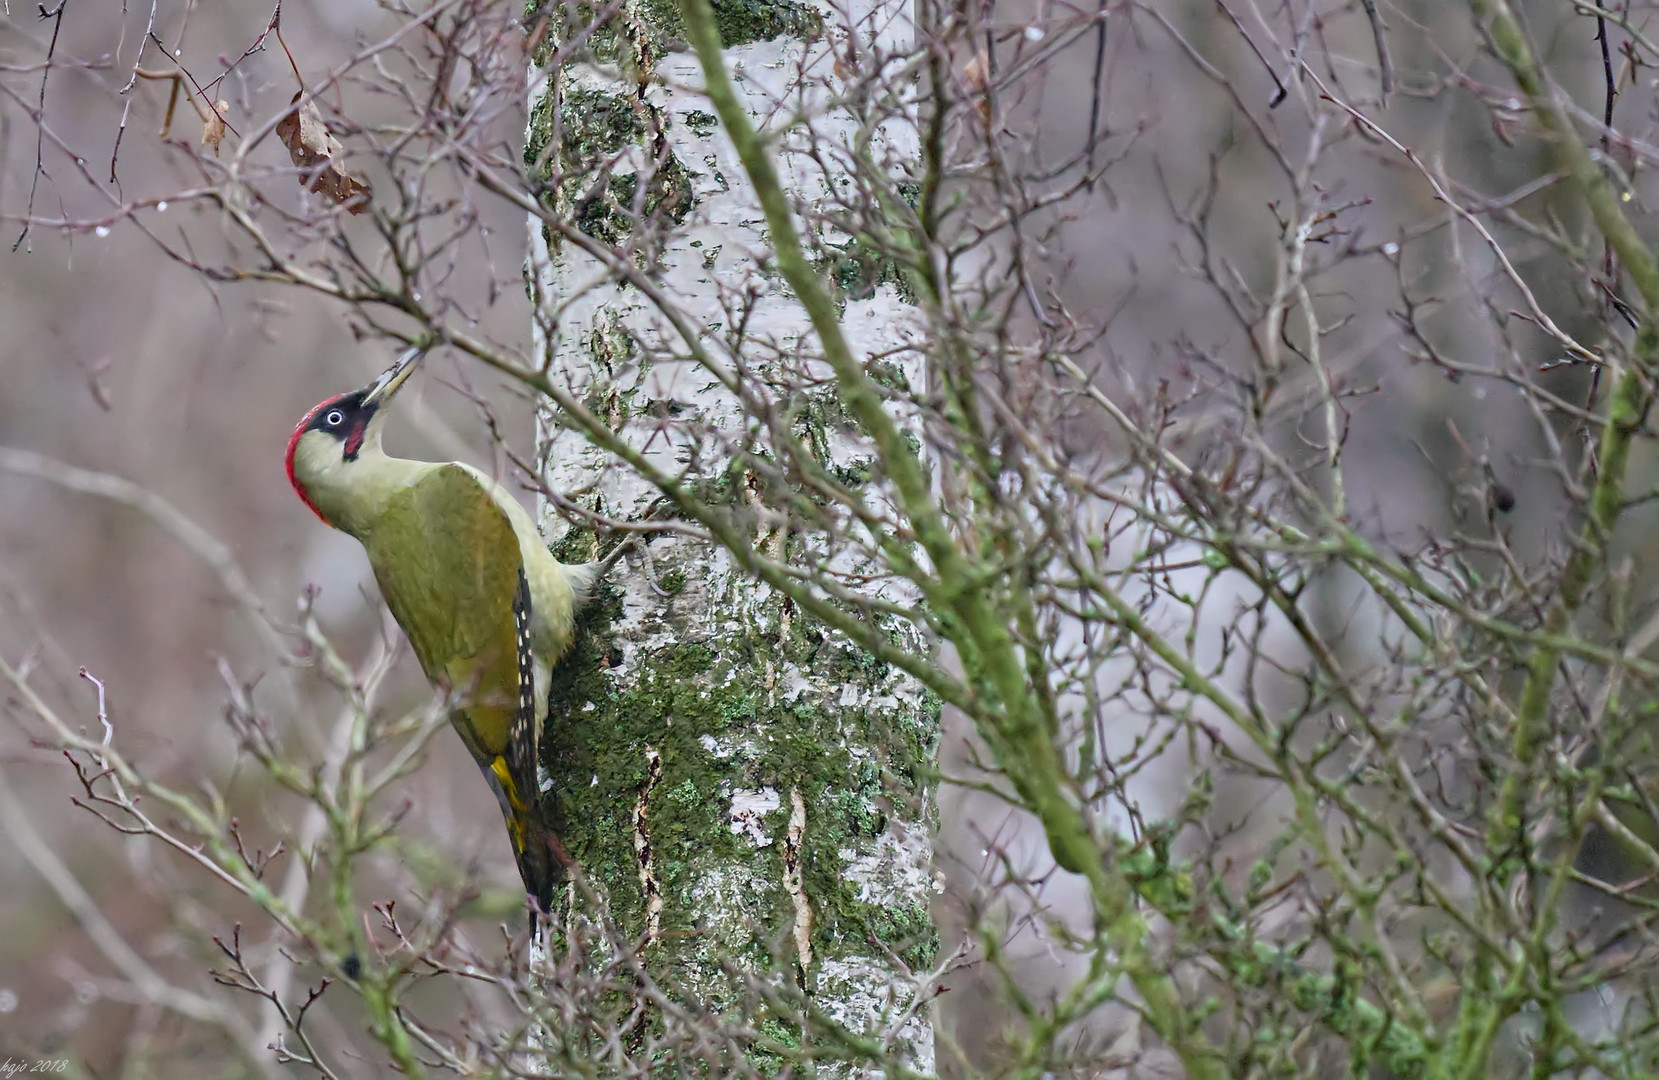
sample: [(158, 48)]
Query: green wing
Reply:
[(449, 566)]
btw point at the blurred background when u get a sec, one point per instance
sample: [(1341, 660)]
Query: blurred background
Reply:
[(116, 358)]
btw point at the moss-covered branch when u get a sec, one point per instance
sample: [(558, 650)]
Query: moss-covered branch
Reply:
[(1483, 1013), (962, 594)]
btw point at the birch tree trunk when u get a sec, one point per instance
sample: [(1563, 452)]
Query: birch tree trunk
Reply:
[(741, 785)]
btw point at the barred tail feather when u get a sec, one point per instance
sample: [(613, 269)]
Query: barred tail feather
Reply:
[(535, 848), (538, 861), (533, 844)]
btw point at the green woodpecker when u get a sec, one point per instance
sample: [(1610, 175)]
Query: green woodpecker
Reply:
[(486, 607)]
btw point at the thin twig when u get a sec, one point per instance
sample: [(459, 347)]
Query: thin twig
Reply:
[(1099, 89), (258, 44), (1279, 89), (1385, 62), (134, 968), (163, 513), (40, 119)]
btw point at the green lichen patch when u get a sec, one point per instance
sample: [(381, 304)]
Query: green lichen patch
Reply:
[(597, 123), (702, 124), (742, 22), (783, 1047), (819, 414), (907, 928), (539, 133), (614, 212), (592, 129), (577, 545), (610, 344), (600, 31), (857, 269), (657, 27), (886, 373), (856, 473)]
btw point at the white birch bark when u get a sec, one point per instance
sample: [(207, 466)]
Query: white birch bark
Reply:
[(739, 783)]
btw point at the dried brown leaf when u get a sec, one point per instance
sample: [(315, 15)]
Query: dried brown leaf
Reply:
[(213, 127), (318, 155)]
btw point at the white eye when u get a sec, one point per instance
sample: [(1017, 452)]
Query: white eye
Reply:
[(335, 418)]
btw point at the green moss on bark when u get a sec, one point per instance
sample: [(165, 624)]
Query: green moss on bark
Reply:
[(594, 128), (708, 710), (742, 22), (702, 124), (594, 125), (857, 269)]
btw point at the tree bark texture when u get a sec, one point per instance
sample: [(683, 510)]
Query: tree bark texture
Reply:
[(741, 785)]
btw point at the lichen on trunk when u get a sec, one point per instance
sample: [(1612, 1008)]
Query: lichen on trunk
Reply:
[(745, 788)]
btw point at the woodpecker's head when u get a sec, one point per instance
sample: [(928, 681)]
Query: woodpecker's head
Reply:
[(335, 447)]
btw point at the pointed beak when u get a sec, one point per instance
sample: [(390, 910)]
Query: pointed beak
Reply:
[(381, 390)]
